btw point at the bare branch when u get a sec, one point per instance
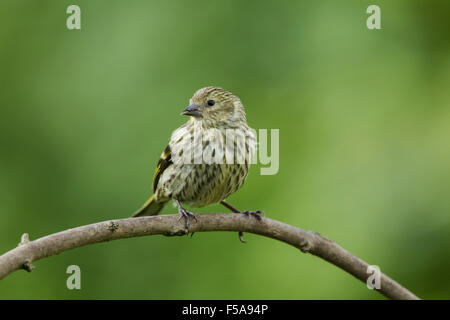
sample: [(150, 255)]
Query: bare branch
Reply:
[(169, 225)]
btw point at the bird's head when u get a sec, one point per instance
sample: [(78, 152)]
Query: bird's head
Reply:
[(216, 107)]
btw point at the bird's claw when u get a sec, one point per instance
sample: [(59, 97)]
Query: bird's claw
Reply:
[(241, 237), (187, 217), (256, 214)]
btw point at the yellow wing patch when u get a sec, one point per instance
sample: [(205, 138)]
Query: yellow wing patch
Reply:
[(163, 163)]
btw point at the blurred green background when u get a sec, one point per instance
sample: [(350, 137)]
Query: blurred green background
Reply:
[(364, 119)]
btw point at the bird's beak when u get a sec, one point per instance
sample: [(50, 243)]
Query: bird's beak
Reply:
[(192, 110)]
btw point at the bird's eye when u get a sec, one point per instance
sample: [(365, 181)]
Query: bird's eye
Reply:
[(211, 103)]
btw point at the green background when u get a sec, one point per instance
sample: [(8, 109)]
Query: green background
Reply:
[(364, 120)]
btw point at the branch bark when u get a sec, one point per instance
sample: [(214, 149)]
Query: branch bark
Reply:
[(169, 225)]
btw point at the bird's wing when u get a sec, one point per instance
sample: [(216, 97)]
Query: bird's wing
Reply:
[(163, 163)]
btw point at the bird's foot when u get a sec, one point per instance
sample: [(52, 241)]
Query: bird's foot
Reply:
[(256, 214), (187, 215)]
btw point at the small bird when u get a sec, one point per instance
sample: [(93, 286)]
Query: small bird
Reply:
[(207, 158)]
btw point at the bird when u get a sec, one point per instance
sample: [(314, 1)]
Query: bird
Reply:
[(207, 158)]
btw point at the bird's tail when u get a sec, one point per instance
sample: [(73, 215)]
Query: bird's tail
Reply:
[(150, 208)]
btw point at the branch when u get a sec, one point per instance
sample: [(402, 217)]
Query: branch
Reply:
[(169, 225)]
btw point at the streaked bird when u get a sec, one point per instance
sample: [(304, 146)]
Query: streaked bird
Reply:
[(207, 158)]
